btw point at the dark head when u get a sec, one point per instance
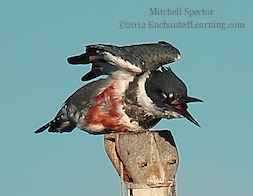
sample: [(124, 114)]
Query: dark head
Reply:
[(169, 94)]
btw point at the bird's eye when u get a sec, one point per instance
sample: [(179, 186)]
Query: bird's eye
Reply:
[(173, 98)]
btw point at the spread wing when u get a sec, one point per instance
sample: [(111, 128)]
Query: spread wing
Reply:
[(106, 59)]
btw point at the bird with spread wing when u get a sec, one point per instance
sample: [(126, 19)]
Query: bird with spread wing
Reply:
[(134, 96)]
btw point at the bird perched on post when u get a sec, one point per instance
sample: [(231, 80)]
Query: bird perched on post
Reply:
[(133, 97), (135, 58), (124, 102)]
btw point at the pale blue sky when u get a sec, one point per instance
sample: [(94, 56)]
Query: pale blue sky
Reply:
[(36, 37)]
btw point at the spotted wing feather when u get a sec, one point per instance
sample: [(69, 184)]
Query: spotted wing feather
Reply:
[(143, 56)]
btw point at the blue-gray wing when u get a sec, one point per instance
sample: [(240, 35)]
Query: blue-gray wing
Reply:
[(135, 58)]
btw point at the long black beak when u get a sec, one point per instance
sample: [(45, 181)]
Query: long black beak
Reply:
[(189, 99), (181, 107)]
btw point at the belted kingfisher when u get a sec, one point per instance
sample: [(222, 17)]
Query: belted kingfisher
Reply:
[(135, 58), (124, 101)]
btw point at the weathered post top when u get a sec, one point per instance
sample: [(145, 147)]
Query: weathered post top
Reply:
[(150, 161)]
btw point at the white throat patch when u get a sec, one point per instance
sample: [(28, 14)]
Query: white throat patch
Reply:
[(142, 97)]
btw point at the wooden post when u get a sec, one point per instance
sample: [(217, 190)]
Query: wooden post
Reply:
[(149, 159)]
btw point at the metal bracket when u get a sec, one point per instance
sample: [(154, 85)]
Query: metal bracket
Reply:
[(150, 161)]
